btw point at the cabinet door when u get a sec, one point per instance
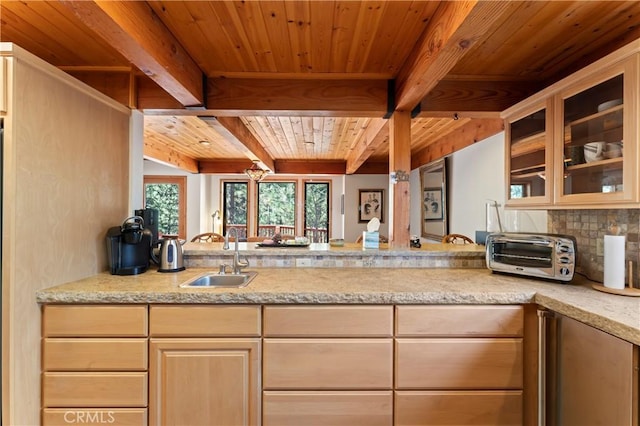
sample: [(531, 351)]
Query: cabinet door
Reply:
[(597, 138), (529, 139), (204, 382), (597, 377)]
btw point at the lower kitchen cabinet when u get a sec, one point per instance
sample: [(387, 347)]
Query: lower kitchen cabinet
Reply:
[(328, 365), (197, 381), (596, 377), (322, 408), (94, 362), (459, 365), (204, 365)]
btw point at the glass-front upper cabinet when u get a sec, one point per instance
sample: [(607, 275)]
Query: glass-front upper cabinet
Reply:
[(597, 165), (529, 156)]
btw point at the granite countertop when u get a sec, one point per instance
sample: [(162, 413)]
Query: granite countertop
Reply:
[(618, 315)]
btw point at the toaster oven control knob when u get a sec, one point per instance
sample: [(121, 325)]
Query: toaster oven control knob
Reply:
[(564, 259), (563, 248), (565, 271)]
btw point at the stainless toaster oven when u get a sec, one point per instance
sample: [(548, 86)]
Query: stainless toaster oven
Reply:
[(548, 256)]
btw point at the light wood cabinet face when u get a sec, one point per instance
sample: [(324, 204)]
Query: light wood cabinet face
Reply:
[(336, 408), (328, 363), (529, 150), (71, 389), (469, 408), (94, 354), (597, 119), (459, 321), (95, 321), (112, 416), (204, 381), (481, 363), (598, 377), (328, 321), (205, 321)]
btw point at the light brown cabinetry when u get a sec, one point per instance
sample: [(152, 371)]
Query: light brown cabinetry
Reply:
[(204, 365), (463, 365), (587, 126), (328, 365), (597, 377), (94, 362)]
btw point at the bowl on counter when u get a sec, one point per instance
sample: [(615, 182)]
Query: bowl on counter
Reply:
[(336, 242)]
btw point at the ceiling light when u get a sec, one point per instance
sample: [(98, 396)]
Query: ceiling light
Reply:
[(204, 143), (255, 173)]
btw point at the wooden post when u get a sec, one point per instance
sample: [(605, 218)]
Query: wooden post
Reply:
[(399, 191)]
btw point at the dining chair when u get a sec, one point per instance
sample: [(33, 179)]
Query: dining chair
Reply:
[(208, 237), (456, 239)]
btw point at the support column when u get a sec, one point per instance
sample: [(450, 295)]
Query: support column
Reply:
[(399, 191)]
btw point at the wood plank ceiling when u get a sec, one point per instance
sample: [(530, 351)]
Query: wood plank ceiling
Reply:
[(304, 86)]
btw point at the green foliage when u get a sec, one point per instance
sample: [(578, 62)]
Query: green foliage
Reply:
[(235, 202), (316, 205), (276, 203), (166, 198)]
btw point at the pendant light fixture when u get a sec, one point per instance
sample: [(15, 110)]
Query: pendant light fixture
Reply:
[(256, 173)]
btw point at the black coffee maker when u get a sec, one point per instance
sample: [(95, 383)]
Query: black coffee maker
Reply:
[(129, 247)]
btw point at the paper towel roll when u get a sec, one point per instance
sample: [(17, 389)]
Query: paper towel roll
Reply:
[(614, 261)]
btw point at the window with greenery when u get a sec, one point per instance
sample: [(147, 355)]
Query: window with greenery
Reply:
[(235, 214), (518, 191), (316, 211), (167, 194), (276, 208)]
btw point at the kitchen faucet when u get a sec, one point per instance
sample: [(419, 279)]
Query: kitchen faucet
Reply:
[(237, 263)]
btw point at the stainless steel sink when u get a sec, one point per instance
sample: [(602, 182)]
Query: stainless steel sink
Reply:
[(216, 279)]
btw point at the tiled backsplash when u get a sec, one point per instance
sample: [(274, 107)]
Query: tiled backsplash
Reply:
[(589, 227)]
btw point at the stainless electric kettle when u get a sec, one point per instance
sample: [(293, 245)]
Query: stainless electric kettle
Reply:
[(170, 256)]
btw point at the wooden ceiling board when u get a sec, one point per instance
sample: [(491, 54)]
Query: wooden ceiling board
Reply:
[(49, 31), (184, 133)]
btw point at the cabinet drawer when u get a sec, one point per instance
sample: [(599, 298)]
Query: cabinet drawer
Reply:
[(205, 321), (451, 321), (94, 389), (94, 321), (328, 321), (459, 363), (99, 416), (496, 408), (327, 363), (91, 354), (336, 408)]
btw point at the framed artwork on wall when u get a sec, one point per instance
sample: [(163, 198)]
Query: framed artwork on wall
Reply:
[(433, 186), (370, 205)]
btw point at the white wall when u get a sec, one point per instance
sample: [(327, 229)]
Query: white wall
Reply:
[(476, 175), (353, 183)]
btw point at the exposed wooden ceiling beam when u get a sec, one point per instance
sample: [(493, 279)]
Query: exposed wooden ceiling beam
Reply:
[(164, 154), (475, 99), (376, 134), (133, 29), (454, 29), (233, 128), (233, 165), (287, 97), (472, 132)]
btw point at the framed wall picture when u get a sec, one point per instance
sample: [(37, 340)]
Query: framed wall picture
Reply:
[(433, 185), (433, 202), (370, 205)]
